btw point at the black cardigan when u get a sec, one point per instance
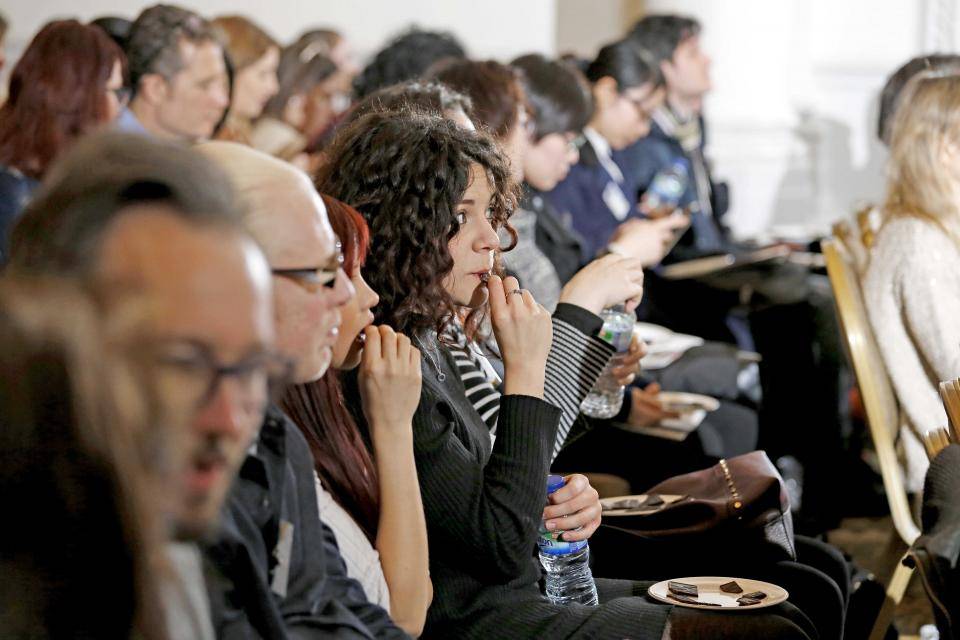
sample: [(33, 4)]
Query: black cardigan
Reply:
[(482, 504)]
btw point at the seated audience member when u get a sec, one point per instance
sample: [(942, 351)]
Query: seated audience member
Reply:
[(299, 111), (892, 93), (178, 76), (754, 306), (889, 103), (72, 423), (69, 81), (160, 221), (433, 244), (499, 101), (673, 43), (561, 105), (369, 496), (596, 193), (332, 44), (406, 57), (284, 573), (116, 27), (911, 285), (254, 57), (577, 354)]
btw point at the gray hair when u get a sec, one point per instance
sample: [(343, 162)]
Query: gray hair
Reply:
[(101, 177)]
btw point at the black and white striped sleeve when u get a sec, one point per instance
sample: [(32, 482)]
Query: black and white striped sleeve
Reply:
[(576, 359)]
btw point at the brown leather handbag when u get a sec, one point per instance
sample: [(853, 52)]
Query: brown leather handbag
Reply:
[(739, 504)]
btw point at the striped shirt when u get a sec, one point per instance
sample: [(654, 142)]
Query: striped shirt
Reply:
[(577, 357)]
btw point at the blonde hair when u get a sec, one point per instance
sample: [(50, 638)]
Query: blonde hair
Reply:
[(244, 41), (918, 185)]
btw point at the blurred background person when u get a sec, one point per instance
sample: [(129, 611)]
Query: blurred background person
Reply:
[(73, 438), (301, 110), (69, 81), (116, 27), (912, 283), (406, 57), (254, 57), (178, 76)]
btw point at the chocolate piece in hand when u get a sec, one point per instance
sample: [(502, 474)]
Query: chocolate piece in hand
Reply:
[(756, 595), (744, 601), (683, 589), (691, 600), (731, 587)]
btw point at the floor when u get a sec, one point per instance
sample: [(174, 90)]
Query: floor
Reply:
[(868, 541)]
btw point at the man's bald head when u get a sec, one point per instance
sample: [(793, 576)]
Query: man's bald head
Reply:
[(286, 216), (281, 208)]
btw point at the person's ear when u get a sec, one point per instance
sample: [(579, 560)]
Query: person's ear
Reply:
[(154, 88), (605, 92), (668, 71)]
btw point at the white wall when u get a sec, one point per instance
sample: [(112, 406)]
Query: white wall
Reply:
[(792, 115), (493, 28)]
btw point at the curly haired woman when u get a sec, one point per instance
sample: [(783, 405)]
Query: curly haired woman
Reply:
[(434, 196)]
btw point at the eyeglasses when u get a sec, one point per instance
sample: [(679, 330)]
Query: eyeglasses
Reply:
[(188, 375), (313, 278)]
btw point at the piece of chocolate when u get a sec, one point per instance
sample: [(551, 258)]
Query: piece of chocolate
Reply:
[(689, 600), (731, 587), (683, 589), (756, 595), (744, 601)]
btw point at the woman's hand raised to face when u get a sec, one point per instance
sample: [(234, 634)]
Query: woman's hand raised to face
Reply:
[(524, 332), (606, 281), (389, 380)]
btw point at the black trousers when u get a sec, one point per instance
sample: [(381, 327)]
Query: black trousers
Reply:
[(789, 316)]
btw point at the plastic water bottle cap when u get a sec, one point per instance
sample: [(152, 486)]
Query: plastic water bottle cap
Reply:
[(554, 483)]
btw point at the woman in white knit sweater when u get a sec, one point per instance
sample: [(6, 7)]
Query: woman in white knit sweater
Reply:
[(912, 284)]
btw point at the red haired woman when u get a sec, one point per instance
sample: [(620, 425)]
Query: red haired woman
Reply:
[(70, 80)]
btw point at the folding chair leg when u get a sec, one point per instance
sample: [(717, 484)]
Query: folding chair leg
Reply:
[(895, 590)]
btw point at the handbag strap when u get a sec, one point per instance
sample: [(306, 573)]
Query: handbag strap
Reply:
[(734, 494)]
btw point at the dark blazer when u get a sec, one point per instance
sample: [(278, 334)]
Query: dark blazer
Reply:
[(644, 159), (15, 191), (483, 506), (279, 573), (555, 235), (581, 196)]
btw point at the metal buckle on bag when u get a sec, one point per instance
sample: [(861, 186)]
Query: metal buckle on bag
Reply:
[(734, 494)]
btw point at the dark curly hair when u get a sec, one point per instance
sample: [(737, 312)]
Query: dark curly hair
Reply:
[(406, 57), (405, 172)]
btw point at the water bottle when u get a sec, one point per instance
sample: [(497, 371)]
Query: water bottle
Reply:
[(668, 186), (606, 397), (567, 563)]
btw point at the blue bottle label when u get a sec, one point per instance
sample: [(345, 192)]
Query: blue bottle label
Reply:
[(551, 544)]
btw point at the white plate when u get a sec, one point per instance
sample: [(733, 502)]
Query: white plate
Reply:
[(687, 402), (651, 332), (609, 505), (709, 591)]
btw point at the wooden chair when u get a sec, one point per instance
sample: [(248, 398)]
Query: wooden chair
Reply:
[(852, 244), (950, 394), (883, 415)]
